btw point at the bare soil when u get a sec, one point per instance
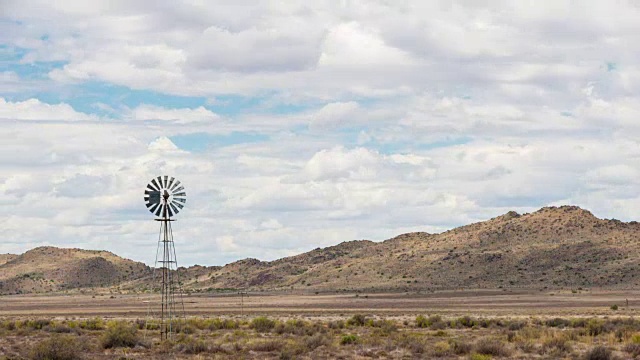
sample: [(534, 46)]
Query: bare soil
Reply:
[(452, 303)]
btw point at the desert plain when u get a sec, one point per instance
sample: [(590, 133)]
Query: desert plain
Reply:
[(459, 324)]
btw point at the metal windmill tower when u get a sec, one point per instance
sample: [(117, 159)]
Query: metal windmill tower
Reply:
[(165, 197)]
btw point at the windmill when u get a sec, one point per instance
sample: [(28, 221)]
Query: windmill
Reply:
[(165, 197)]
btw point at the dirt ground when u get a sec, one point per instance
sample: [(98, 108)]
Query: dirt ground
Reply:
[(455, 303)]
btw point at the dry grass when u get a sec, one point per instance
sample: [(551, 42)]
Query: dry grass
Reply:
[(57, 347), (120, 334), (493, 347), (267, 345), (599, 353), (353, 336), (262, 324), (556, 347)]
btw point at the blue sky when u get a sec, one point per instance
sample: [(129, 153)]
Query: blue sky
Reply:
[(297, 125)]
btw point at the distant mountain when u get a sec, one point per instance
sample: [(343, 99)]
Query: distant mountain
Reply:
[(553, 248), (50, 269)]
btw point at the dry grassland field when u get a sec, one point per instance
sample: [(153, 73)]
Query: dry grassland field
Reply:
[(441, 325)]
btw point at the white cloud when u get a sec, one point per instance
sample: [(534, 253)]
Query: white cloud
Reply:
[(353, 46), (34, 109), (180, 116), (338, 163), (285, 47), (373, 118), (163, 144), (335, 114), (271, 224)]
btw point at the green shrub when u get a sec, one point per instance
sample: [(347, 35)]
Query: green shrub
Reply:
[(295, 326), (197, 323), (231, 324), (433, 321), (297, 323), (614, 307), (216, 324), (36, 324), (595, 327), (441, 349), (357, 320), (557, 322), (212, 324), (57, 347), (9, 325), (422, 322), (92, 324), (348, 339), (465, 321), (476, 356), (150, 325), (119, 334), (72, 324), (385, 326), (185, 328), (262, 324)]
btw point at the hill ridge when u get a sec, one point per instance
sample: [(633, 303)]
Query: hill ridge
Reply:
[(555, 247), (50, 269)]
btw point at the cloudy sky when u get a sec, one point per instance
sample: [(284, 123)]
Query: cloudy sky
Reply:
[(301, 124)]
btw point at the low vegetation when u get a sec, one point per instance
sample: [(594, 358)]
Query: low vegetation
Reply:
[(120, 334), (360, 335), (57, 347)]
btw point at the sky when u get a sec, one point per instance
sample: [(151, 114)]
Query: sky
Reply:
[(301, 124)]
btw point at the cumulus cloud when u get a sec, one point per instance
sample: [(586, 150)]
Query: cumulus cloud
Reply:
[(373, 118), (333, 115), (34, 109), (352, 45), (163, 144), (339, 163)]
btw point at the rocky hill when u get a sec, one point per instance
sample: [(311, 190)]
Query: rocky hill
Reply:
[(4, 258), (552, 248), (50, 269)]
